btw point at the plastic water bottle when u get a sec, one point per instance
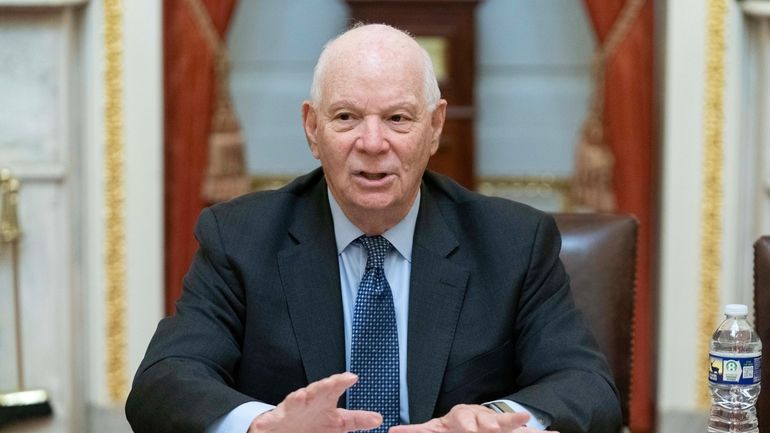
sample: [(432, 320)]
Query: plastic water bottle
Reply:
[(734, 373)]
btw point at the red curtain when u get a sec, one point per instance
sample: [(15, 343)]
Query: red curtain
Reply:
[(629, 127), (189, 87)]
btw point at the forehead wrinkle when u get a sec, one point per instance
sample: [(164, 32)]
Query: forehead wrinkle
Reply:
[(409, 103), (346, 80), (372, 52)]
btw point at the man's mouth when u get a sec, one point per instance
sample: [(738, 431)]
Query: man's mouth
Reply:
[(371, 176)]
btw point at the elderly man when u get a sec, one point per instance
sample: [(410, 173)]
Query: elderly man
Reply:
[(371, 294)]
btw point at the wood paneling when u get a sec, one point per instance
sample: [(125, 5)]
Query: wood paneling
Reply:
[(453, 20)]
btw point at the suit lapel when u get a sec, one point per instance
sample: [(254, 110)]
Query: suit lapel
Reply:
[(309, 273), (437, 290)]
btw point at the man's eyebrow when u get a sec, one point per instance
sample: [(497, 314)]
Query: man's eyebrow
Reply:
[(408, 105), (342, 103)]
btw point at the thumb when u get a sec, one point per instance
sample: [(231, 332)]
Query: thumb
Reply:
[(513, 420), (415, 428), (353, 420)]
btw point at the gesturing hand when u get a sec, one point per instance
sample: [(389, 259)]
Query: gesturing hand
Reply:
[(313, 409), (470, 418)]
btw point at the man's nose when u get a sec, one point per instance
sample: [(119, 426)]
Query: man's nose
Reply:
[(372, 138)]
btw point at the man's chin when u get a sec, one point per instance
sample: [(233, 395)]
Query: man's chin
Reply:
[(374, 202)]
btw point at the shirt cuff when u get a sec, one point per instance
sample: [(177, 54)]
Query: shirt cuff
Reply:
[(239, 419), (537, 419)]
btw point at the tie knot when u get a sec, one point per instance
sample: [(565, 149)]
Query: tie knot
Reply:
[(376, 248)]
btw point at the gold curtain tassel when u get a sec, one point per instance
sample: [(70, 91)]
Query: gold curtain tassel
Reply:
[(592, 183), (226, 175)]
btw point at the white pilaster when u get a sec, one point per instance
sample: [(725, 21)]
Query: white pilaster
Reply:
[(684, 60), (143, 190)]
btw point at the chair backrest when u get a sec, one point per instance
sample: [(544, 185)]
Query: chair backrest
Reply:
[(762, 323), (599, 254)]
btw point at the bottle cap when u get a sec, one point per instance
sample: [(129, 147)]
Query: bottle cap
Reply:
[(736, 310)]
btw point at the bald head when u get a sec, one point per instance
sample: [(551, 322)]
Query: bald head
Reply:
[(367, 46)]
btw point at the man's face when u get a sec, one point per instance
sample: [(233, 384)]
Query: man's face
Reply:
[(373, 133)]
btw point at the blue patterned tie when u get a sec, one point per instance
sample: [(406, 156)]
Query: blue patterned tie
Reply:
[(374, 348)]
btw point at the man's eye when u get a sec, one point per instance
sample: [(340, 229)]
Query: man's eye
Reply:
[(343, 116), (397, 118)]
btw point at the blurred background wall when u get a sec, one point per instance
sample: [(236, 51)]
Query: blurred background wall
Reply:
[(82, 127)]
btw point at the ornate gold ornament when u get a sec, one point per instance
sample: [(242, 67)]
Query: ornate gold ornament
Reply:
[(592, 185), (115, 272), (226, 175), (711, 207)]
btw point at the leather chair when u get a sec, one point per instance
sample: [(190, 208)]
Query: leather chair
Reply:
[(599, 254), (762, 323)]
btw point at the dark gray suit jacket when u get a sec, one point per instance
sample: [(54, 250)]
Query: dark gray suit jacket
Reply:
[(490, 313)]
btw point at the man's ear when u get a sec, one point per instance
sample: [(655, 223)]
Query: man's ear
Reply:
[(437, 124), (310, 124)]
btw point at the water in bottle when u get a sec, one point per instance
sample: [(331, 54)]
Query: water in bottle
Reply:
[(734, 373)]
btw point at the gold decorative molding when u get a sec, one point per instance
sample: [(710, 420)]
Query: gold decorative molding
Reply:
[(41, 3), (115, 260), (545, 186), (264, 183), (524, 187), (711, 207)]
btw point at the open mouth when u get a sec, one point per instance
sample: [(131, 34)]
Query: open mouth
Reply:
[(371, 176)]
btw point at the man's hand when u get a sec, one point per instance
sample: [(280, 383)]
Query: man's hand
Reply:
[(471, 419), (313, 409), (531, 430)]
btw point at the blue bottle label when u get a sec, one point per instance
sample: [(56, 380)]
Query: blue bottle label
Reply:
[(734, 370)]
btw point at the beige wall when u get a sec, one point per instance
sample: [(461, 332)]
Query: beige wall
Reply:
[(744, 169), (61, 165), (52, 99)]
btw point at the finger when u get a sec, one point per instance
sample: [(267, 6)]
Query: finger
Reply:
[(359, 419), (512, 420), (332, 387), (297, 398), (338, 383), (531, 430), (462, 418), (414, 428), (488, 422)]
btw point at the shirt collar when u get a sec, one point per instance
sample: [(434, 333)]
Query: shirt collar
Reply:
[(401, 236)]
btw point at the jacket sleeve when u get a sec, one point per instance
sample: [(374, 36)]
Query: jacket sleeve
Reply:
[(561, 370), (185, 381)]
